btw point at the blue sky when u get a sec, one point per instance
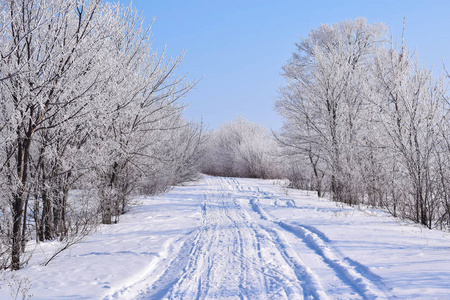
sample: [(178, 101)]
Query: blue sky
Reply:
[(237, 48)]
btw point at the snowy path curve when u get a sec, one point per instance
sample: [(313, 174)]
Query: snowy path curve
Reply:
[(242, 252)]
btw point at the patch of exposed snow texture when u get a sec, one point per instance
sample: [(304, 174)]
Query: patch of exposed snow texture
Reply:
[(227, 238)]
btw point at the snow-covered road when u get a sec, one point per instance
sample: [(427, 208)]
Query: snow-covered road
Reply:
[(227, 238), (242, 252)]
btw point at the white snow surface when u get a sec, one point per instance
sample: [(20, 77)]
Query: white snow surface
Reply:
[(227, 238)]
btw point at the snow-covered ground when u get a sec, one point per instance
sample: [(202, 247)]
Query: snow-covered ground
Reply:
[(226, 238)]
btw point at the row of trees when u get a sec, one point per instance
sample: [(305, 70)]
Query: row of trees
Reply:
[(368, 122), (242, 149), (88, 108)]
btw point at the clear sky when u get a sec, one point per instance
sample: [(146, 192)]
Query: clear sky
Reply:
[(237, 47)]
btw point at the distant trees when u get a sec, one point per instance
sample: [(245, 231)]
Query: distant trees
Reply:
[(370, 121), (85, 103), (241, 149)]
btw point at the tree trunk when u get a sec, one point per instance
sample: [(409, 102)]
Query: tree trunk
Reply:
[(23, 154), (17, 234), (46, 219)]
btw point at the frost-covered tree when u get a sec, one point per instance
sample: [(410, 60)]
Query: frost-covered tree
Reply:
[(370, 120), (322, 105), (85, 103), (411, 111), (48, 48), (242, 149)]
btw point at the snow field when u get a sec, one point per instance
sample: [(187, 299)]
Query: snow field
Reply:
[(226, 238)]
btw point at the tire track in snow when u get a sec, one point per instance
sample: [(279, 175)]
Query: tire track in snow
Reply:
[(305, 283), (136, 285), (309, 281), (169, 278), (290, 285), (212, 267), (236, 265), (366, 283), (163, 272)]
